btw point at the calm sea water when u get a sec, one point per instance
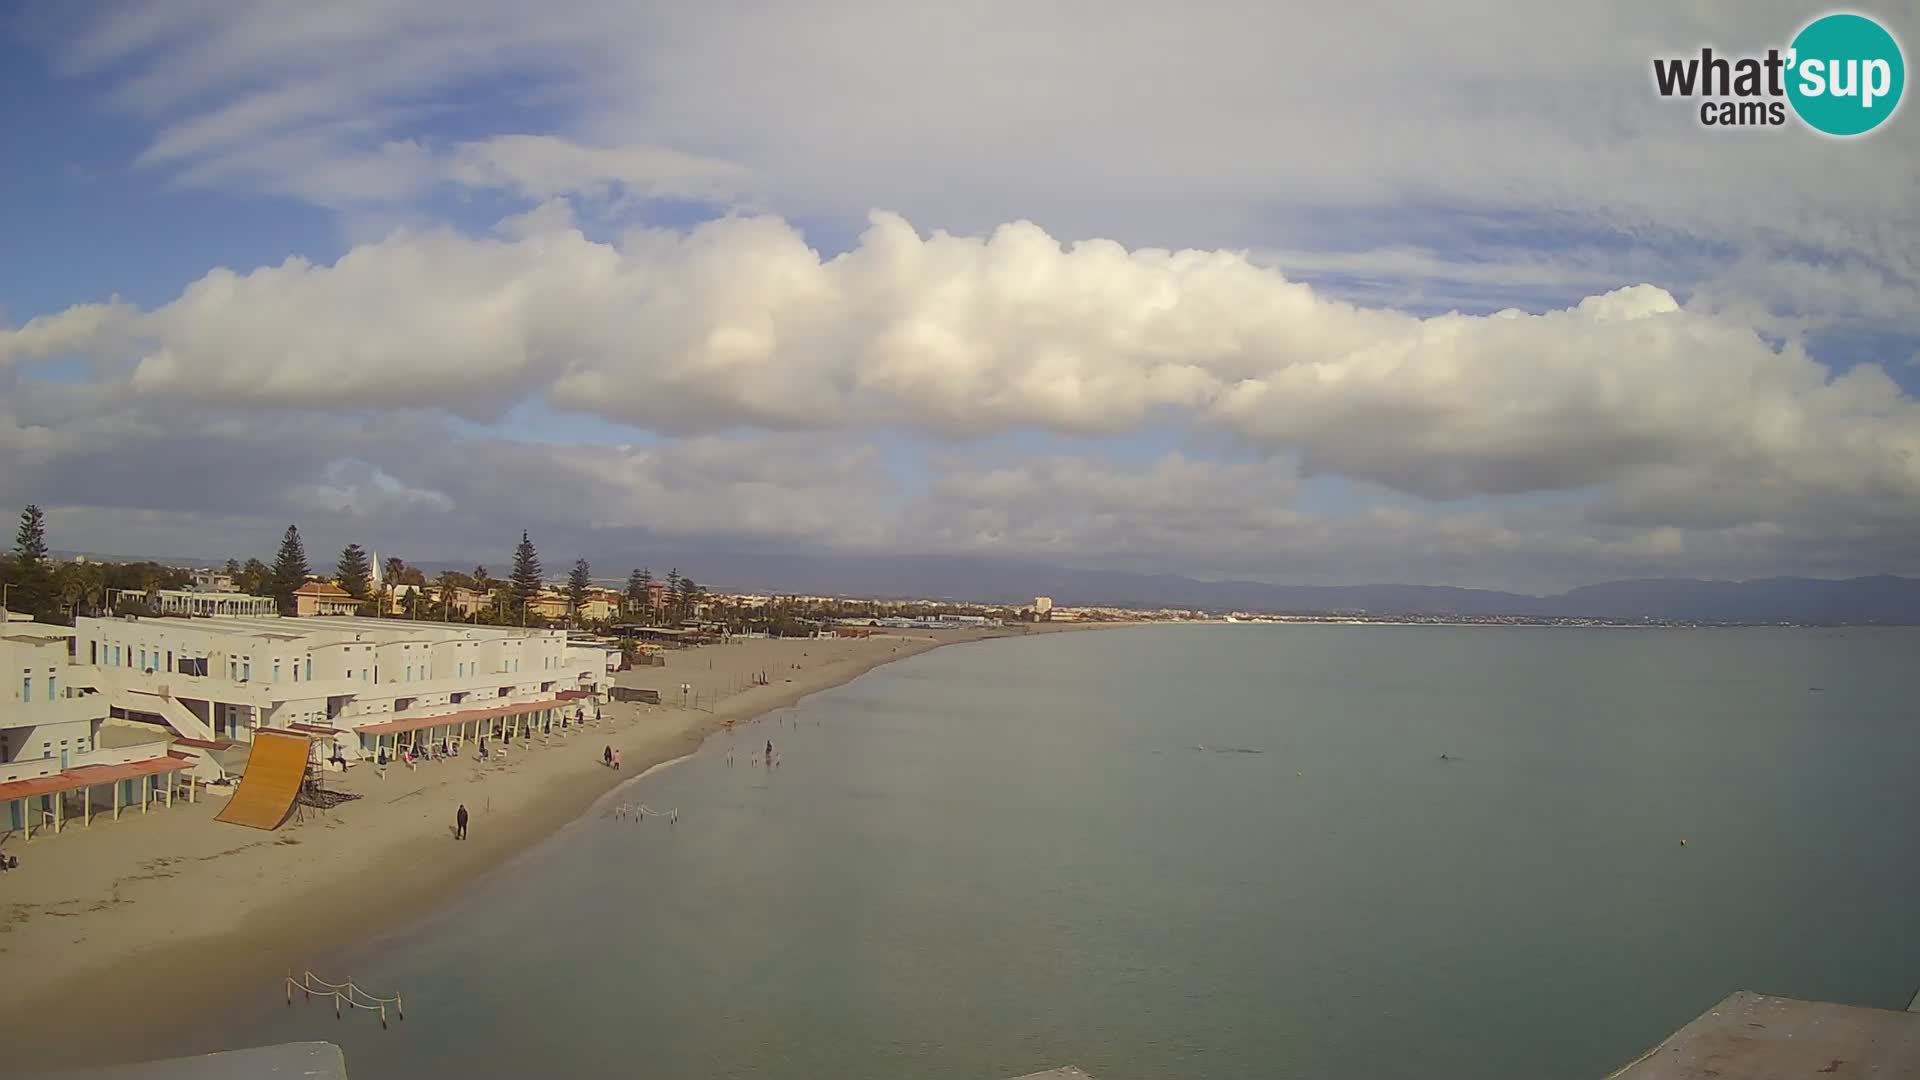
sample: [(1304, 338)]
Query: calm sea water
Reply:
[(1008, 855)]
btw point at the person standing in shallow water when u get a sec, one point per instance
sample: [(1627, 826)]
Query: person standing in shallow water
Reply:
[(460, 823)]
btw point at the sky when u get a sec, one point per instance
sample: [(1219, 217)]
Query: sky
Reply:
[(1305, 293)]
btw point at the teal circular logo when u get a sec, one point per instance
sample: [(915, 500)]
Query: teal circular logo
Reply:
[(1846, 74)]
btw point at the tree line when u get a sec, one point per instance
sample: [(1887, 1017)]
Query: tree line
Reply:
[(33, 584), (52, 591), (59, 591), (474, 595)]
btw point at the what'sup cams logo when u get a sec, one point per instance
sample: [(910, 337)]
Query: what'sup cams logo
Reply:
[(1841, 75)]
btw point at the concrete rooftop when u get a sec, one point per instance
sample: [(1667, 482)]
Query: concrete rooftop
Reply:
[(1752, 1036)]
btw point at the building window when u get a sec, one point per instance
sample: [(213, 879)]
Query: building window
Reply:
[(143, 659), (26, 689), (309, 669), (53, 688), (409, 672), (93, 653), (276, 669), (116, 656), (246, 671)]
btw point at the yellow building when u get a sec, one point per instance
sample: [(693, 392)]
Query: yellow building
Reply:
[(323, 598)]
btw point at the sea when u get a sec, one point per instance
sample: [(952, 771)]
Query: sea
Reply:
[(1184, 852)]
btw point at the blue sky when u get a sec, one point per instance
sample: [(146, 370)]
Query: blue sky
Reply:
[(558, 269)]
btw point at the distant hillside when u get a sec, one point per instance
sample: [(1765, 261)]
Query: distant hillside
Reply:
[(1881, 599)]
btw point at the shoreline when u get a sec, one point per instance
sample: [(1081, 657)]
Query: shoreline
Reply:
[(206, 909)]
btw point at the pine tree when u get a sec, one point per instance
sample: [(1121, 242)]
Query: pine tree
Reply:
[(233, 568), (579, 583), (289, 569), (356, 573), (30, 543), (526, 579), (34, 589)]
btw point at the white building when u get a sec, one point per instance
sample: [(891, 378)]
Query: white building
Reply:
[(58, 761), (222, 679), (213, 581), (44, 717), (210, 603), (1042, 605)]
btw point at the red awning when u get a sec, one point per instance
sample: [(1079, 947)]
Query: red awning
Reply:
[(574, 695), (91, 775), (415, 723)]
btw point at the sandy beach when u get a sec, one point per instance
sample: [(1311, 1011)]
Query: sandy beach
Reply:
[(208, 910)]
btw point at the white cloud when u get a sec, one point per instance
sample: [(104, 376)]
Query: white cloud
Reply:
[(130, 474), (1226, 124), (1501, 153), (543, 167), (738, 322)]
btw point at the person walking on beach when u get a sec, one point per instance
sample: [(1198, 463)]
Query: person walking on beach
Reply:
[(460, 822), (607, 755), (616, 761), (769, 751)]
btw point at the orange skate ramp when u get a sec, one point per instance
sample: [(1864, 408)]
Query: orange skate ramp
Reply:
[(271, 783)]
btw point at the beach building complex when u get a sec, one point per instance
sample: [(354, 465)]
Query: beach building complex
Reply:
[(122, 713), (59, 758), (344, 679)]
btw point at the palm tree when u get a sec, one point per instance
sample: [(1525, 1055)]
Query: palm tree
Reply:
[(487, 586), (448, 583)]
